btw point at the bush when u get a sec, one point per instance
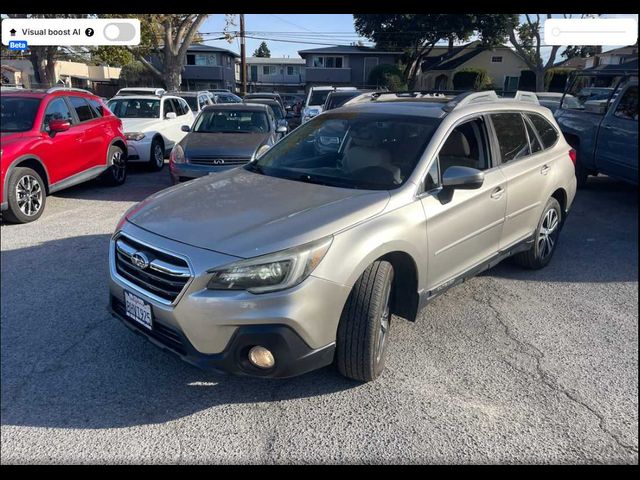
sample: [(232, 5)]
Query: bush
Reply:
[(387, 76), (555, 79), (472, 79)]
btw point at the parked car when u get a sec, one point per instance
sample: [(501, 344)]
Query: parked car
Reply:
[(152, 124), (265, 96), (219, 90), (551, 100), (290, 99), (223, 137), (604, 132), (316, 98), (278, 111), (299, 260), (226, 98), (196, 100), (52, 140), (340, 97)]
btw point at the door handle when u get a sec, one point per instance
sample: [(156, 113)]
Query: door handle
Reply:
[(545, 169), (497, 193)]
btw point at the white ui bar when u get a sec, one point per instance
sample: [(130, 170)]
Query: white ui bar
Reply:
[(590, 31), (71, 31)]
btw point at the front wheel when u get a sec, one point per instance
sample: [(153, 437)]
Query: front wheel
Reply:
[(26, 196), (363, 330), (546, 238), (156, 159), (116, 174)]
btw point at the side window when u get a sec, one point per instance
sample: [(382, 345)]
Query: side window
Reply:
[(628, 106), (466, 146), (512, 137), (534, 143), (82, 108), (433, 178), (97, 107), (168, 107), (183, 107), (56, 110), (547, 132)]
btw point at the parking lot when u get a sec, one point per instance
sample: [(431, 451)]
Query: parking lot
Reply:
[(512, 366)]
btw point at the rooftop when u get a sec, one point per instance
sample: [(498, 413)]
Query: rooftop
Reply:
[(348, 50), (198, 47), (276, 60)]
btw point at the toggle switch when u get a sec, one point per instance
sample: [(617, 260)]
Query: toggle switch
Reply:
[(119, 32)]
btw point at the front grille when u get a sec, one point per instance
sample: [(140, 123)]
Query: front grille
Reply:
[(219, 161), (164, 275), (163, 334)]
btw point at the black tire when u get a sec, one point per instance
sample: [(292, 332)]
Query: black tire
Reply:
[(31, 181), (539, 255), (116, 174), (157, 145), (361, 343), (582, 173)]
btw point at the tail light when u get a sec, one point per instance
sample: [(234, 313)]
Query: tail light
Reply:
[(573, 155)]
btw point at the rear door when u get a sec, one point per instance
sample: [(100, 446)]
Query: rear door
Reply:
[(93, 153), (528, 171), (617, 145)]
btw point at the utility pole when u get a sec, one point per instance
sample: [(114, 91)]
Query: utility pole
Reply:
[(243, 57)]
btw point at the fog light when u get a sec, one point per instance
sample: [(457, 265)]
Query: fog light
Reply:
[(261, 357)]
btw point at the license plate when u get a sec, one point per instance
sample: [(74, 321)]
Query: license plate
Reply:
[(138, 310)]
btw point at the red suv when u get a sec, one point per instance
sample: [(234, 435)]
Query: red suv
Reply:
[(52, 140)]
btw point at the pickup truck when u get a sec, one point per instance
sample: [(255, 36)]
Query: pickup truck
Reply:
[(603, 128)]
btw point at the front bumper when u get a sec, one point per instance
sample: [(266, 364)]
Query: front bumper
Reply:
[(139, 151), (215, 329), (185, 171)]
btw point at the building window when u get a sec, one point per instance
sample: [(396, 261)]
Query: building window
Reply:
[(496, 59), (202, 59), (293, 70), (268, 69), (327, 62)]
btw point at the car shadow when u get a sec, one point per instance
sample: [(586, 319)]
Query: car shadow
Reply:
[(598, 243), (66, 362)]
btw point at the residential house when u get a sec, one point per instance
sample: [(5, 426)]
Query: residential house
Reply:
[(347, 65), (275, 74), (503, 65), (613, 59)]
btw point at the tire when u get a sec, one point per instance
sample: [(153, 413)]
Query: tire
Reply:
[(540, 253), (116, 174), (582, 174), (156, 156), (363, 330), (25, 181)]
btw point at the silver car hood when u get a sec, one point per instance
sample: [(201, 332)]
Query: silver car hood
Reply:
[(246, 214)]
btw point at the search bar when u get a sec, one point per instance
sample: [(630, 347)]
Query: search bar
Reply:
[(590, 31)]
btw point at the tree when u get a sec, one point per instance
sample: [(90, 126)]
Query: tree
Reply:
[(262, 51), (581, 51), (387, 76), (417, 34)]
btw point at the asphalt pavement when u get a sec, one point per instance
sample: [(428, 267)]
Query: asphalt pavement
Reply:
[(513, 366)]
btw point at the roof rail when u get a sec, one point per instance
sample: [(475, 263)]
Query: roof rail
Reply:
[(470, 98), (529, 97), (72, 89), (158, 92)]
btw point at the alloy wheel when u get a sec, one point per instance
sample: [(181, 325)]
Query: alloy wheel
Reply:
[(548, 233), (29, 195), (158, 154), (119, 166), (384, 324)]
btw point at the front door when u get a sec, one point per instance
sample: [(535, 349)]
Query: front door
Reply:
[(65, 150), (464, 227)]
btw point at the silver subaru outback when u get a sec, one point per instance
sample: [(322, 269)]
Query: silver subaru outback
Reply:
[(302, 257)]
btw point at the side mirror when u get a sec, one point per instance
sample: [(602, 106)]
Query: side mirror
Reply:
[(185, 128), (262, 150), (59, 125), (596, 106), (281, 129), (171, 116), (462, 178)]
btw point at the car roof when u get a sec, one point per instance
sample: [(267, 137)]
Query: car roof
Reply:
[(142, 97), (264, 101), (37, 93), (263, 95), (248, 107), (189, 93)]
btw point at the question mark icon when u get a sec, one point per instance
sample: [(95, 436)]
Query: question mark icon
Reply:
[(89, 32)]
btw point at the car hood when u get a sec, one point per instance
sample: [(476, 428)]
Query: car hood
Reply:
[(247, 214), (139, 124), (222, 144)]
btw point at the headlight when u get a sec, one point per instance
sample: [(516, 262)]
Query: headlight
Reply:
[(137, 136), (268, 273), (177, 155)]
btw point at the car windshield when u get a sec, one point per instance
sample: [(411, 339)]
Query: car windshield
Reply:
[(588, 90), (18, 113), (335, 101), (275, 106), (231, 121), (135, 108), (192, 100), (229, 98), (318, 97), (362, 151)]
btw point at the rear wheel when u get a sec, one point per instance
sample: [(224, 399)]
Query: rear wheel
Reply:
[(363, 330), (156, 158), (116, 174), (546, 238), (26, 196)]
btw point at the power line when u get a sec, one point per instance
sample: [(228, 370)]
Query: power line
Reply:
[(290, 23)]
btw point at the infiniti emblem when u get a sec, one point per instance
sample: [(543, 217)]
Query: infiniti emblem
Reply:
[(218, 161), (140, 260)]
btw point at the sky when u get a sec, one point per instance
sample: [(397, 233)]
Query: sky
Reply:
[(301, 31)]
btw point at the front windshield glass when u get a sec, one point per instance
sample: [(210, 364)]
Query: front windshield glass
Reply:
[(364, 151), (231, 121), (135, 108), (18, 113), (318, 97), (229, 98), (277, 109), (336, 101), (587, 91)]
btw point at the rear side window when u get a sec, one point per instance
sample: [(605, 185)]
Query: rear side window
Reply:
[(534, 143), (547, 133), (82, 108), (57, 110), (97, 107), (512, 137), (628, 106)]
